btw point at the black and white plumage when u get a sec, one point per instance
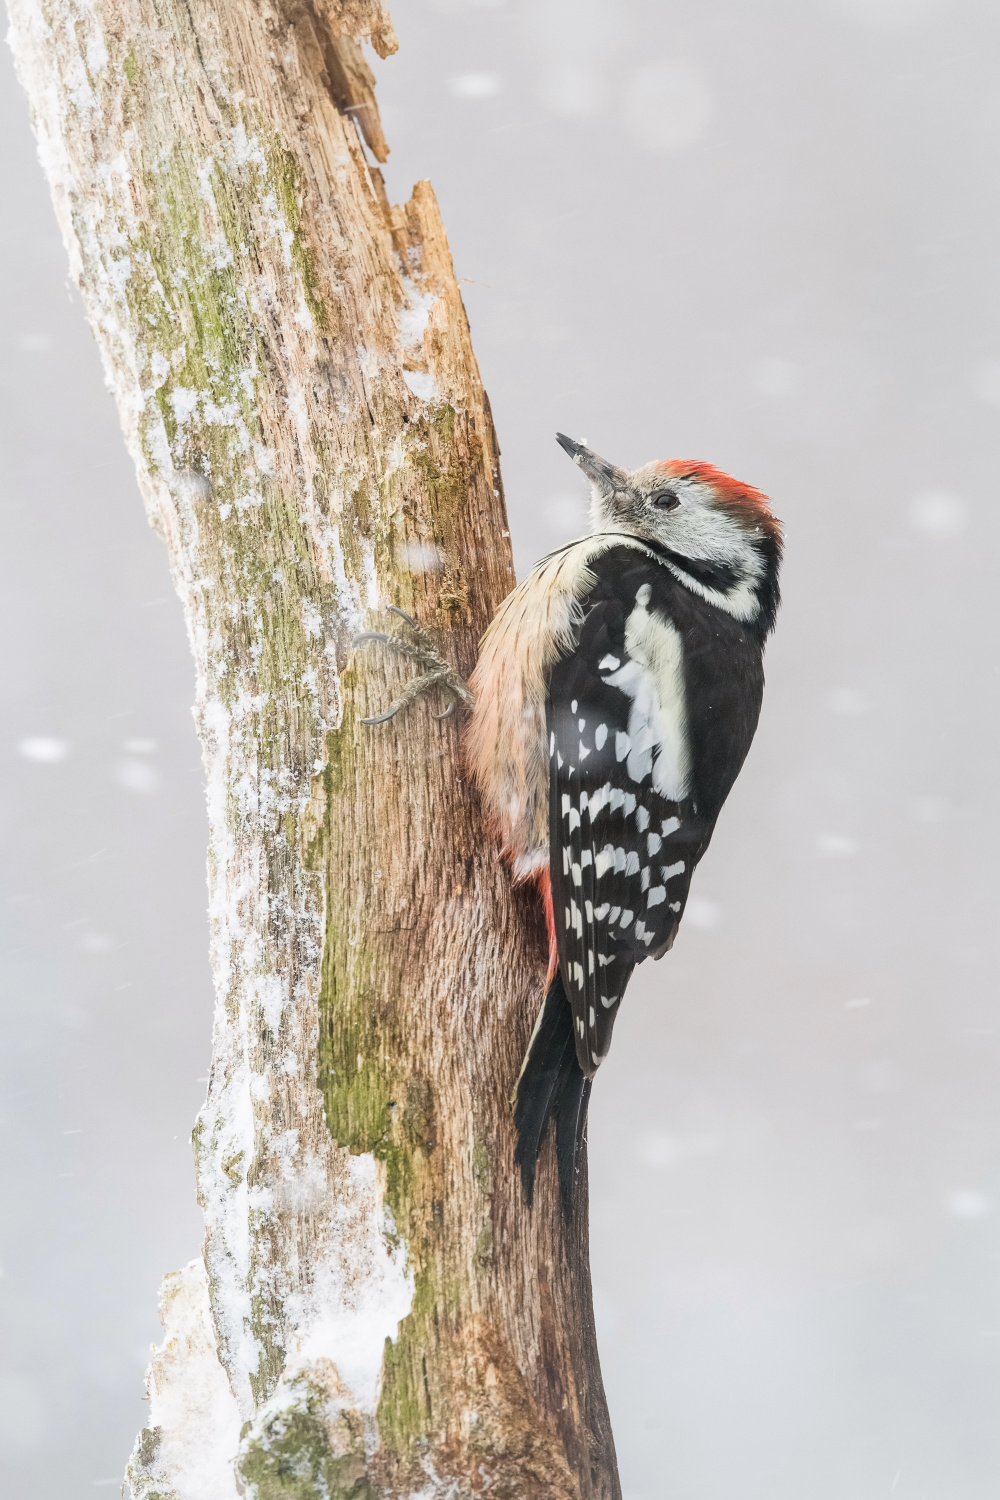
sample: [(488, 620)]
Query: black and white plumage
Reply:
[(634, 795), (618, 691)]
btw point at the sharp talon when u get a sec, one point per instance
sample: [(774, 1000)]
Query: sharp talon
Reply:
[(383, 718), (437, 672), (393, 610)]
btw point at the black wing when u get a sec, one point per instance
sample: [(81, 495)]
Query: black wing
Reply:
[(621, 856), (625, 836)]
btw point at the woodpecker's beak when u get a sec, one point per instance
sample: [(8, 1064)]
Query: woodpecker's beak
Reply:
[(597, 469)]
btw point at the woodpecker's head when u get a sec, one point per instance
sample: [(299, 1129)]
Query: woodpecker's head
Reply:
[(718, 535)]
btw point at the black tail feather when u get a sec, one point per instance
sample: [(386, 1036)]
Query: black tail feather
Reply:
[(538, 1088), (571, 1124), (552, 1083)]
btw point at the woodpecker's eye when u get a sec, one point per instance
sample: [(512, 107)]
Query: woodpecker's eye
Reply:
[(665, 500)]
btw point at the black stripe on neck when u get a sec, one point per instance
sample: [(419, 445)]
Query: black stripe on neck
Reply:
[(723, 577)]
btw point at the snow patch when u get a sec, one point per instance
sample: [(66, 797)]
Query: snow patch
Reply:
[(422, 384), (361, 1289), (413, 320), (191, 1407), (183, 403), (246, 150)]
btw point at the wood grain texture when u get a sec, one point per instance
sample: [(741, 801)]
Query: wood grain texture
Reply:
[(292, 364)]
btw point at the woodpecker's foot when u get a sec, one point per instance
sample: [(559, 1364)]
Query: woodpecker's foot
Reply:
[(437, 673)]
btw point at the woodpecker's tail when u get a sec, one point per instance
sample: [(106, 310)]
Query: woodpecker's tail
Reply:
[(552, 1083)]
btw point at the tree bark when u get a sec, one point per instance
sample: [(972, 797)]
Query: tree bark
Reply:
[(291, 361)]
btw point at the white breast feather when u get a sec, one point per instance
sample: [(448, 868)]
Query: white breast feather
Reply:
[(505, 743)]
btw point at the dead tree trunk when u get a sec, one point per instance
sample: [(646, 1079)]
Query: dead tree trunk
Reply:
[(291, 361)]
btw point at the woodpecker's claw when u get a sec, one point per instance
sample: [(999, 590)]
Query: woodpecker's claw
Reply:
[(440, 673), (383, 718)]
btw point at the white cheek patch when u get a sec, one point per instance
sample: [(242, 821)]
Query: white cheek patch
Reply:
[(653, 677)]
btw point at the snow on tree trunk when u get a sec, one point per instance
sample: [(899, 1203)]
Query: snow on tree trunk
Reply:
[(291, 361)]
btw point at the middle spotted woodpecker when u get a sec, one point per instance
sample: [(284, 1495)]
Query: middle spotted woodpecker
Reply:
[(616, 695)]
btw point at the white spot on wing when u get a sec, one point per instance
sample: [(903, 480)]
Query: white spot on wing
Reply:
[(657, 895), (600, 800), (652, 677), (600, 736)]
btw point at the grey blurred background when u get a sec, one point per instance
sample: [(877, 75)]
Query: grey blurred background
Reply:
[(761, 233)]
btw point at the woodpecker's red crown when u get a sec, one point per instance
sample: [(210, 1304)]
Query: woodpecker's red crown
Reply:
[(719, 533), (750, 507)]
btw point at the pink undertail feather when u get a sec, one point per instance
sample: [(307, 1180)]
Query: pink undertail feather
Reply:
[(544, 882)]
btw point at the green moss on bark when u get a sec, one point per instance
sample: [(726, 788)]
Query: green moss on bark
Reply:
[(291, 1456)]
